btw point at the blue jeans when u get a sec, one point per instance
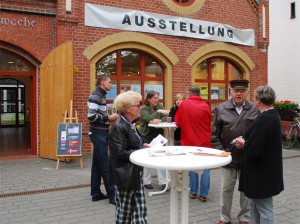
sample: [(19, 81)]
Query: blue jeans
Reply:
[(262, 211), (100, 165), (204, 183)]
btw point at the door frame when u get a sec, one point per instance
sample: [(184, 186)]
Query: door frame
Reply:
[(33, 104)]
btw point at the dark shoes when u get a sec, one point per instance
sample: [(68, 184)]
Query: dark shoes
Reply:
[(148, 186), (112, 201), (201, 198), (222, 222), (162, 187), (99, 197), (192, 196)]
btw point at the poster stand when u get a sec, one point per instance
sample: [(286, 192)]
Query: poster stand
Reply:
[(69, 120)]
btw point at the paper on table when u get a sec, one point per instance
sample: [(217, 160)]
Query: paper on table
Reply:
[(158, 141), (210, 152)]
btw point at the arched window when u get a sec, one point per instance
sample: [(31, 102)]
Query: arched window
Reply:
[(11, 63), (12, 102), (132, 70), (213, 75), (184, 2)]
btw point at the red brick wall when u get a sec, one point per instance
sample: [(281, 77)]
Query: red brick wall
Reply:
[(51, 32)]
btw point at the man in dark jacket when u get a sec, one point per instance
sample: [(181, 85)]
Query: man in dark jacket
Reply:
[(231, 120), (98, 120)]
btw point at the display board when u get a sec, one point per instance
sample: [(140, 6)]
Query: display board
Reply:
[(69, 139)]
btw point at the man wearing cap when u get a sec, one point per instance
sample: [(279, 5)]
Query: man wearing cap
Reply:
[(231, 120)]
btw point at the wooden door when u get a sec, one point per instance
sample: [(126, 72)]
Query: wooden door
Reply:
[(56, 92)]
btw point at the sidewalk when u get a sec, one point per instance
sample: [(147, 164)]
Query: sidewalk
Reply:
[(32, 191)]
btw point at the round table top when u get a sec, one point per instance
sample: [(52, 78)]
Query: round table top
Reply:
[(178, 158), (163, 125)]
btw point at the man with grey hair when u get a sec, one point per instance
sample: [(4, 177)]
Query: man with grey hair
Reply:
[(194, 117), (99, 130), (231, 120)]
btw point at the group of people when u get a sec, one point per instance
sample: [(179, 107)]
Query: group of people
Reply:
[(251, 131)]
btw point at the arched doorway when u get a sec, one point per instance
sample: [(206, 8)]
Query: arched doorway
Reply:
[(17, 105)]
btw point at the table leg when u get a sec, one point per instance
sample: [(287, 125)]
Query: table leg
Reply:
[(170, 136), (174, 198), (185, 197), (164, 190)]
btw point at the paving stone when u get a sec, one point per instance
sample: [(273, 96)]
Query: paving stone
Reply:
[(73, 205)]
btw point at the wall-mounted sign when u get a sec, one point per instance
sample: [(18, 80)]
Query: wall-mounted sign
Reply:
[(134, 20), (69, 139), (22, 22)]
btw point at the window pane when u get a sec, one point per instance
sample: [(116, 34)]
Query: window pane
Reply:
[(133, 85), (8, 119), (234, 73), (152, 69), (201, 71), (204, 91), (218, 91), (21, 118), (156, 86), (107, 65), (217, 69), (11, 63), (112, 94), (130, 62)]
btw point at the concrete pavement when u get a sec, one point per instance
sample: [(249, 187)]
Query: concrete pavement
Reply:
[(32, 191)]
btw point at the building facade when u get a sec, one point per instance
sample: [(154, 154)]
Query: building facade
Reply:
[(52, 52), (284, 50)]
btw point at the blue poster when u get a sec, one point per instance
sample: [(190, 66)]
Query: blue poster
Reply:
[(112, 94), (69, 139)]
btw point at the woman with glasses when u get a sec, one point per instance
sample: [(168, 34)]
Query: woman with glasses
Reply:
[(152, 112), (126, 176)]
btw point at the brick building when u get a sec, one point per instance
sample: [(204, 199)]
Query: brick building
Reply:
[(52, 51)]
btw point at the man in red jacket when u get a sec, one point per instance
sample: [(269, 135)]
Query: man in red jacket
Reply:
[(194, 117)]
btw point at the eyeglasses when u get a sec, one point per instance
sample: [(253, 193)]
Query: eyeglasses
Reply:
[(138, 105), (239, 90)]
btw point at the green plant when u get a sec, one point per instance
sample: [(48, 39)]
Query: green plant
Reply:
[(286, 104)]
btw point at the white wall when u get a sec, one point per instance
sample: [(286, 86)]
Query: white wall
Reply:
[(284, 50)]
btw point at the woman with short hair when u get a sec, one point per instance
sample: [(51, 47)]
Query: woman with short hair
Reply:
[(126, 176), (262, 171)]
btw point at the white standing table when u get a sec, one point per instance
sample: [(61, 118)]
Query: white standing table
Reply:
[(169, 129), (179, 163), (169, 134)]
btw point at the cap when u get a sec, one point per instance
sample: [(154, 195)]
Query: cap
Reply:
[(239, 84)]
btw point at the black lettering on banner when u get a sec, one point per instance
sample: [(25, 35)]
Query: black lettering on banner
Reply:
[(173, 24), (183, 26), (126, 19), (151, 22), (221, 32), (191, 28), (230, 33), (200, 30), (162, 24), (141, 23), (211, 30)]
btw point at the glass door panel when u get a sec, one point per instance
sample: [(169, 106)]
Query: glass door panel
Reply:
[(12, 103)]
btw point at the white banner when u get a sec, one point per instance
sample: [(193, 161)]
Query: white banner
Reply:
[(134, 20)]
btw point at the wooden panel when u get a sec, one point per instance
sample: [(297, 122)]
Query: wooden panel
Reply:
[(56, 92)]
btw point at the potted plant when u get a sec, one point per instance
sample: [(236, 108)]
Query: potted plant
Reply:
[(287, 109)]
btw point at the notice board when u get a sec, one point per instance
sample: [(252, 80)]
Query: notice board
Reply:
[(69, 139)]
